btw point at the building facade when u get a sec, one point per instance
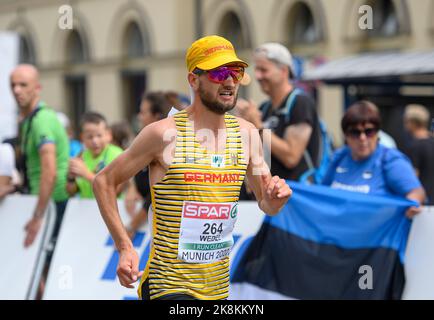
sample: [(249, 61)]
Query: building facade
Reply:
[(119, 49)]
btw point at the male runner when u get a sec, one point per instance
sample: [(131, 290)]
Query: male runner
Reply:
[(198, 160)]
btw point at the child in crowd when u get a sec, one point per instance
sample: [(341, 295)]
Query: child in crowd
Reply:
[(96, 137)]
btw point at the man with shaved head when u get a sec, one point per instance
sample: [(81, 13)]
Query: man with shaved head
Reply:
[(44, 147)]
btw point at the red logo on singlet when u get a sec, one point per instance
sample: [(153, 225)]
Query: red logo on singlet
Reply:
[(211, 177), (202, 210)]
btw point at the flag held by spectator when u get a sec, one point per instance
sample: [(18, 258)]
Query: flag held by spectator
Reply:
[(328, 244)]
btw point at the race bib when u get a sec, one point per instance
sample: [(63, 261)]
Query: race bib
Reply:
[(206, 231)]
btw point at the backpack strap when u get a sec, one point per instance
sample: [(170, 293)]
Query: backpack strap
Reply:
[(382, 160), (22, 146), (304, 178), (265, 107), (290, 102)]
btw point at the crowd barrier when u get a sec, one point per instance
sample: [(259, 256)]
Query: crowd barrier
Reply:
[(21, 268), (84, 261), (419, 258), (9, 53)]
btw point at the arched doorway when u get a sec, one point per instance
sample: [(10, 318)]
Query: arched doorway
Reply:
[(301, 26), (75, 82), (231, 28), (385, 19), (134, 79), (26, 50)]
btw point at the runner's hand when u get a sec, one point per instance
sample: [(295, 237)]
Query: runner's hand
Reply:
[(275, 193), (128, 268)]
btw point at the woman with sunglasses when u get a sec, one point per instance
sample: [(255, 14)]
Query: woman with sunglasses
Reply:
[(363, 165)]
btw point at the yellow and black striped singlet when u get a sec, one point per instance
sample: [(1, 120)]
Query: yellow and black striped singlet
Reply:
[(192, 177)]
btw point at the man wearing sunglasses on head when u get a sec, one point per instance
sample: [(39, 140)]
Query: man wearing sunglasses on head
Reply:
[(289, 113), (197, 160)]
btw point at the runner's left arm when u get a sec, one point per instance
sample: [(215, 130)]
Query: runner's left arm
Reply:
[(272, 193)]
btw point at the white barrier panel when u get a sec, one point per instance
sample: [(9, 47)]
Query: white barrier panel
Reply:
[(20, 268), (9, 46), (419, 258), (84, 262)]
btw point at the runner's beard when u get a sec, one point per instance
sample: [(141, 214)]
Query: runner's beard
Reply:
[(213, 105)]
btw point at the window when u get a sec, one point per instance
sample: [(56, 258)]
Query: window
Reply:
[(301, 25), (26, 51), (76, 91), (133, 79), (230, 28), (385, 19), (76, 97), (134, 87), (75, 49), (134, 42)]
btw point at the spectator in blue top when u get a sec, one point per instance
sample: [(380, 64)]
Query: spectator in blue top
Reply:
[(75, 146), (364, 165)]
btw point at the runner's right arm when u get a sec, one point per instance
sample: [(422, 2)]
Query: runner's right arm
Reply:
[(144, 149), (139, 155)]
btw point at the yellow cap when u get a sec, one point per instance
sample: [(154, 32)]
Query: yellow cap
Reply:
[(211, 52)]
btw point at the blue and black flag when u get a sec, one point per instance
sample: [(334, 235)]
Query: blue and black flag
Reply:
[(328, 244)]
